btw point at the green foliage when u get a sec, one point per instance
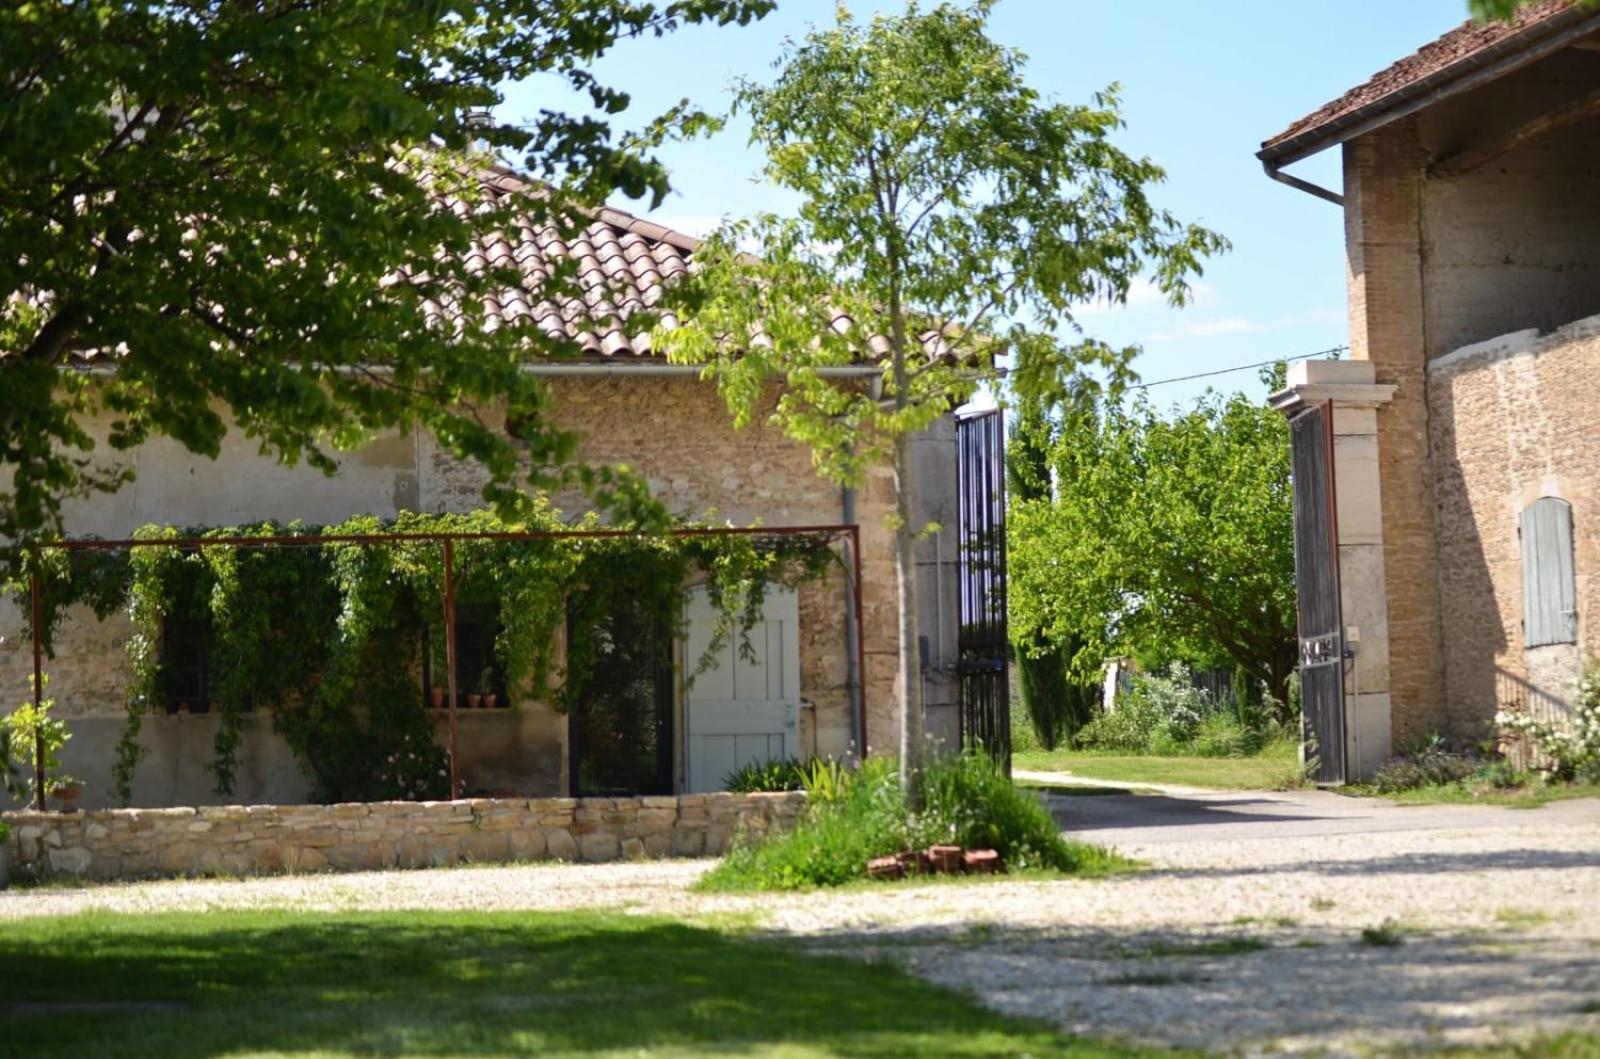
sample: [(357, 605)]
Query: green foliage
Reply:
[(759, 777), (329, 637), (240, 201), (5, 832), (948, 215), (1166, 538), (1057, 701), (1428, 763), (1569, 748), (859, 815), (30, 730), (1164, 713)]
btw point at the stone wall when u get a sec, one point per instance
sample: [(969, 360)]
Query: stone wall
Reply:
[(1512, 421), (1436, 265), (674, 431), (271, 839)]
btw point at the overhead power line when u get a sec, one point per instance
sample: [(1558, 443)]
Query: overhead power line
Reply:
[(1242, 367)]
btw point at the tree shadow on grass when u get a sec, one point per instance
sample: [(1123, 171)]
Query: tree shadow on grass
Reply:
[(432, 984)]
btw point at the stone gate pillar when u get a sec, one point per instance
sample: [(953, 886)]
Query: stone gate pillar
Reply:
[(1349, 387)]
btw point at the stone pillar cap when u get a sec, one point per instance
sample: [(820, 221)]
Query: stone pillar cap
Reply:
[(1347, 383)]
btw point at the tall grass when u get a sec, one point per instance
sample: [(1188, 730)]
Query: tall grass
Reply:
[(965, 801)]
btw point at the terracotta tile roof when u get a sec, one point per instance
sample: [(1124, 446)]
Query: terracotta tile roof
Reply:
[(623, 265), (1464, 48)]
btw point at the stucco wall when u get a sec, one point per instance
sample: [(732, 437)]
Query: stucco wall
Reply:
[(271, 839), (1435, 264), (1513, 421), (675, 432)]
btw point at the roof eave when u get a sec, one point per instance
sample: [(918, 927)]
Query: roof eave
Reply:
[(1535, 43)]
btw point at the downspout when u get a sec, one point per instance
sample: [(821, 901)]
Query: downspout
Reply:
[(1295, 182), (852, 634)]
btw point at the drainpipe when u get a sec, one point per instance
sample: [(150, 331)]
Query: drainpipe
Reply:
[(852, 634)]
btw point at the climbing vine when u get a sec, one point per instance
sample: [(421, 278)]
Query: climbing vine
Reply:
[(329, 636)]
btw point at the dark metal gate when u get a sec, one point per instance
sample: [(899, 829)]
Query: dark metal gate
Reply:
[(1316, 572), (981, 533)]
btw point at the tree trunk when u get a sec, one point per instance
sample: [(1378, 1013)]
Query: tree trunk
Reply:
[(905, 561)]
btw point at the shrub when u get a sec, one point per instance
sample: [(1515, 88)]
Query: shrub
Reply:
[(855, 816), (1167, 714), (5, 832), (1428, 763), (1570, 749), (759, 777)]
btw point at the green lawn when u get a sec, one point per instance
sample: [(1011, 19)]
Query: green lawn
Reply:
[(1275, 767), (467, 984), (1528, 797)]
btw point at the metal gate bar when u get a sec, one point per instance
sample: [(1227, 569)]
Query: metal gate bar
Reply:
[(982, 640)]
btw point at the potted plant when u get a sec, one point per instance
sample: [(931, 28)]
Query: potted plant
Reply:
[(438, 672), (64, 789), (486, 693)]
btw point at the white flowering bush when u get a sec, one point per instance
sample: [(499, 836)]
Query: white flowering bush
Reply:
[(1570, 748)]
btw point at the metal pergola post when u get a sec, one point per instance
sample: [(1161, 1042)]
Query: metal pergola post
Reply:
[(37, 603)]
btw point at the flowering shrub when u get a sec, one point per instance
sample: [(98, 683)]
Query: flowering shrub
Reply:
[(1570, 748)]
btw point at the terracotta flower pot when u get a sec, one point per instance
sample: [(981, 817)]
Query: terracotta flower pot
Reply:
[(915, 862), (436, 698), (474, 700), (946, 859), (491, 699), (982, 861), (885, 868), (67, 794)]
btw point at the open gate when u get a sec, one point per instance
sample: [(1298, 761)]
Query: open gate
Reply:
[(1316, 574), (981, 532)]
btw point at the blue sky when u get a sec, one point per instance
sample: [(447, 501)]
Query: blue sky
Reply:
[(1203, 82)]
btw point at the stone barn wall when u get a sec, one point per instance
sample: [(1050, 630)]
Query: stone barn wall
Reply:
[(674, 431), (1513, 420)]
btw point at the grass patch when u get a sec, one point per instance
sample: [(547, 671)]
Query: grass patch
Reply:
[(1385, 935), (863, 814), (1522, 918), (1233, 946), (1528, 796), (1274, 768), (467, 985), (1156, 979)]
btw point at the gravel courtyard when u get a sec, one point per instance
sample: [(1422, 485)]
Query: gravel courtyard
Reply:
[(1245, 933)]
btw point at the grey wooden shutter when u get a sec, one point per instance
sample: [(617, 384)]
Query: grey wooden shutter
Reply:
[(1549, 590)]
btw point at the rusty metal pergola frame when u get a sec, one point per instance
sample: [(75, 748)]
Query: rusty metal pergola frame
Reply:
[(849, 533)]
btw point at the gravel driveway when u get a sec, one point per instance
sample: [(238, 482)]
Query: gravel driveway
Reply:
[(1245, 934)]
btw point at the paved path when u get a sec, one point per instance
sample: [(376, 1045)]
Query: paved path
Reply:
[(1244, 934)]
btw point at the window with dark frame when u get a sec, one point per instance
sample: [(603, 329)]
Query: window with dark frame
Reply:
[(478, 670), (186, 664)]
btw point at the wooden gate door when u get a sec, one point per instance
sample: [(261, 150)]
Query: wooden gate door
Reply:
[(1316, 571), (982, 640), (743, 708)]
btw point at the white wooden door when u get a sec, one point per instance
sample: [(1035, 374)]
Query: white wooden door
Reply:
[(741, 710)]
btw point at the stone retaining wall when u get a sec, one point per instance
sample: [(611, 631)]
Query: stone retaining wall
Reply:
[(269, 839)]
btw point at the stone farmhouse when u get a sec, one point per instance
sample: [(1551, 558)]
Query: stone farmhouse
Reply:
[(632, 407), (1448, 475)]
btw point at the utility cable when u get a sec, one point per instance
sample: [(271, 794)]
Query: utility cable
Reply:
[(1241, 367)]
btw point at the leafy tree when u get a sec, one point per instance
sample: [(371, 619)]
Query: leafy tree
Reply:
[(1058, 702), (1487, 9), (948, 216), (240, 203), (1167, 538)]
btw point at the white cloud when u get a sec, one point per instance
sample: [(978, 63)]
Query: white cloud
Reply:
[(1228, 325)]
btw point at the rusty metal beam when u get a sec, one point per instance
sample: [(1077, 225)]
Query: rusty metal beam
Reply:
[(450, 658), (38, 684)]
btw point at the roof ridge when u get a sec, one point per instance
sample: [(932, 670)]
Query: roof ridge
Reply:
[(643, 226)]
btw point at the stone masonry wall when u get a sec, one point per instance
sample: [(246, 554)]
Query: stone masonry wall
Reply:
[(271, 839), (1382, 172), (1513, 421)]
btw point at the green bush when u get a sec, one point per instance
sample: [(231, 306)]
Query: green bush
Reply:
[(1166, 714), (760, 777), (1427, 763), (855, 816), (5, 832), (1568, 748)]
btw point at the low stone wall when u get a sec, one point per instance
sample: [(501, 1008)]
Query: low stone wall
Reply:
[(270, 839)]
